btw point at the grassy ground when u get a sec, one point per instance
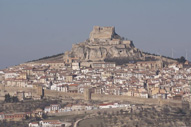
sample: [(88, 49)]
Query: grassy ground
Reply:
[(69, 117), (25, 106), (93, 122), (165, 117)]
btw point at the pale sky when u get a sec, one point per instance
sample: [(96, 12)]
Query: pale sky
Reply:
[(31, 29)]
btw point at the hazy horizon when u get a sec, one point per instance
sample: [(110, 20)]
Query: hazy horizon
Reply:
[(35, 29)]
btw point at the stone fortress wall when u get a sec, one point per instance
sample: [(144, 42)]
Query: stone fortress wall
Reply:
[(12, 90), (101, 97)]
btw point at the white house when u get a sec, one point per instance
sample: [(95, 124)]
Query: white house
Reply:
[(77, 107), (2, 116), (108, 105), (55, 107), (34, 124), (10, 74), (50, 123), (47, 109)]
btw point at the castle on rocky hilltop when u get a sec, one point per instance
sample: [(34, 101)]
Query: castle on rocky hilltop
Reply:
[(103, 43)]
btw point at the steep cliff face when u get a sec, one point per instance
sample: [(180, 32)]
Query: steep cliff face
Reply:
[(100, 52)]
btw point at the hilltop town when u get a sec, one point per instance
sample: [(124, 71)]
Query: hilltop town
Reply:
[(91, 72)]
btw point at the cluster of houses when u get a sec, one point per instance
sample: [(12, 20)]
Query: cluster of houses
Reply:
[(21, 115), (47, 123), (56, 108), (146, 79), (36, 113)]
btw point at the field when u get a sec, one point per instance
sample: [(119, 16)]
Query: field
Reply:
[(151, 117)]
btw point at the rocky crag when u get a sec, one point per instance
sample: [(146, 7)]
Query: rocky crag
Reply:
[(102, 44)]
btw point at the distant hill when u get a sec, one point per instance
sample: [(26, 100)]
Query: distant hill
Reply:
[(50, 58)]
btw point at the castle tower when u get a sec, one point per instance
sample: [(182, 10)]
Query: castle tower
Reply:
[(102, 33), (87, 94), (40, 91)]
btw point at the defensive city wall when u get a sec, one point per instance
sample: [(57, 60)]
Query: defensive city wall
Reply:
[(133, 100)]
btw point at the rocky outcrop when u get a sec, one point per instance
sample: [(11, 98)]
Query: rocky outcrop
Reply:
[(105, 43), (96, 53)]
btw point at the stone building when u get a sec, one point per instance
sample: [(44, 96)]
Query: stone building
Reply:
[(154, 65), (68, 59), (103, 65), (75, 66), (56, 64), (15, 116), (87, 94)]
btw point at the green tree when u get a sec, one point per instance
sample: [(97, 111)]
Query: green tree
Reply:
[(27, 117), (182, 59), (109, 116), (15, 99), (38, 118), (44, 116), (115, 120), (99, 113), (7, 98), (105, 113), (121, 111)]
